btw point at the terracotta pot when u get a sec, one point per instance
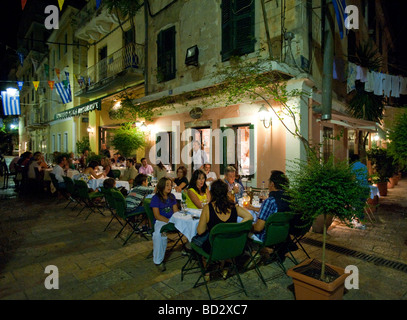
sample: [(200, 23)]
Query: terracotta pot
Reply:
[(318, 225), (382, 186), (390, 184), (373, 203), (308, 288), (396, 179)]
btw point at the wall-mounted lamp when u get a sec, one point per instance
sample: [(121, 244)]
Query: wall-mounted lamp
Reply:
[(90, 129), (191, 57), (143, 127), (265, 116)]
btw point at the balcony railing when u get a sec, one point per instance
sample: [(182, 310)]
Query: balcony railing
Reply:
[(128, 57)]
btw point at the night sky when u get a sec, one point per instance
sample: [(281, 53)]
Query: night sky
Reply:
[(10, 13)]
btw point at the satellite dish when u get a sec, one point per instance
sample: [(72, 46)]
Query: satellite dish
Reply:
[(196, 113)]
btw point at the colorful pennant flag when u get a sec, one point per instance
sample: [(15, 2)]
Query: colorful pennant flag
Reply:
[(23, 2), (20, 85), (62, 92), (11, 102), (61, 4), (21, 57), (51, 84), (341, 16), (36, 84), (57, 71), (98, 3)]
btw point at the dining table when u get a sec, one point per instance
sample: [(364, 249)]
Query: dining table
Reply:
[(96, 183), (187, 222)]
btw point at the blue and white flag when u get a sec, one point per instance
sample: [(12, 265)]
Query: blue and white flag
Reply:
[(63, 93), (64, 89), (11, 102), (341, 16)]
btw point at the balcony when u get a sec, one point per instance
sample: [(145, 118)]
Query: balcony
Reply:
[(123, 68)]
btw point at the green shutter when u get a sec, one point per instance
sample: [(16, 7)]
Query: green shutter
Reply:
[(224, 151)]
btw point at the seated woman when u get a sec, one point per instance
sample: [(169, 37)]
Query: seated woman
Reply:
[(221, 209), (163, 205), (181, 180), (198, 191), (160, 171), (106, 164), (90, 173)]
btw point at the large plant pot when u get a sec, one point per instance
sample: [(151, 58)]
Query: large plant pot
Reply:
[(308, 288), (382, 186), (318, 225)]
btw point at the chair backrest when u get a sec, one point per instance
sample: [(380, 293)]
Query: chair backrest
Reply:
[(116, 173), (228, 240), (70, 187), (119, 203), (81, 189), (108, 196), (39, 175), (149, 212), (54, 180), (298, 226), (277, 226)]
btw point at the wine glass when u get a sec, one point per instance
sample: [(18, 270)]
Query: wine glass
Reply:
[(184, 208)]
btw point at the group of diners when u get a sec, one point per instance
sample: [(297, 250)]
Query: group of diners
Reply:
[(218, 204)]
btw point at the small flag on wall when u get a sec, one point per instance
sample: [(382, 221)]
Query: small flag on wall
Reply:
[(51, 84), (98, 3), (36, 84), (11, 102), (20, 85), (339, 6), (23, 2), (21, 57), (61, 4)]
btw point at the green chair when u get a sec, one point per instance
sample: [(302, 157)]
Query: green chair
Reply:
[(110, 204), (228, 241), (116, 173), (70, 188), (298, 229), (133, 219), (169, 228), (60, 191), (277, 227), (87, 198)]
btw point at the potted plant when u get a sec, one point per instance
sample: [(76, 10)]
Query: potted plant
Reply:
[(383, 163), (127, 139), (324, 189)]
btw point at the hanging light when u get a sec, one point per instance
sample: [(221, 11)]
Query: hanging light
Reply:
[(265, 116)]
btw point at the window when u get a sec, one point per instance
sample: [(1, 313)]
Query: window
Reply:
[(328, 134), (240, 152), (237, 28), (164, 151), (166, 55), (66, 142), (59, 143), (53, 143)]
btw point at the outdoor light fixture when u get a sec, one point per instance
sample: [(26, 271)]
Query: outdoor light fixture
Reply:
[(191, 58), (90, 129), (143, 127), (265, 116)]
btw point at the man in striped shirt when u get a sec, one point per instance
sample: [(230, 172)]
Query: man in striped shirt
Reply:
[(136, 196)]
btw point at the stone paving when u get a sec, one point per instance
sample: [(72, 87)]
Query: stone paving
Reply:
[(35, 233)]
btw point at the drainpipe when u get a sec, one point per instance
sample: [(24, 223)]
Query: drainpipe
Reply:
[(328, 56)]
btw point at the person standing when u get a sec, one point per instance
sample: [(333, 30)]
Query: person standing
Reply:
[(199, 156)]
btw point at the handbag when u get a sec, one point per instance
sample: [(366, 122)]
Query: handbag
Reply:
[(200, 239)]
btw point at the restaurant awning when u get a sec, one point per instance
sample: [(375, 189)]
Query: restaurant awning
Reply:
[(83, 108), (353, 123)]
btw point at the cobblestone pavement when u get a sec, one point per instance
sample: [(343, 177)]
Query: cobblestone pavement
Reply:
[(92, 264)]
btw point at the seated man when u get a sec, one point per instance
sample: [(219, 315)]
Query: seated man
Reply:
[(235, 188), (130, 173), (210, 175), (59, 171), (136, 196), (276, 202)]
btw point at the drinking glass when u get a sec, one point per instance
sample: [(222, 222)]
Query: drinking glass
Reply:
[(184, 208)]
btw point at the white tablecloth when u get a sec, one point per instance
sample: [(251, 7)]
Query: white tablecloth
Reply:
[(96, 183), (70, 173), (374, 191), (187, 225)]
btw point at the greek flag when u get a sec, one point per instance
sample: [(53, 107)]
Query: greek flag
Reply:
[(64, 90), (341, 16), (11, 102)]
